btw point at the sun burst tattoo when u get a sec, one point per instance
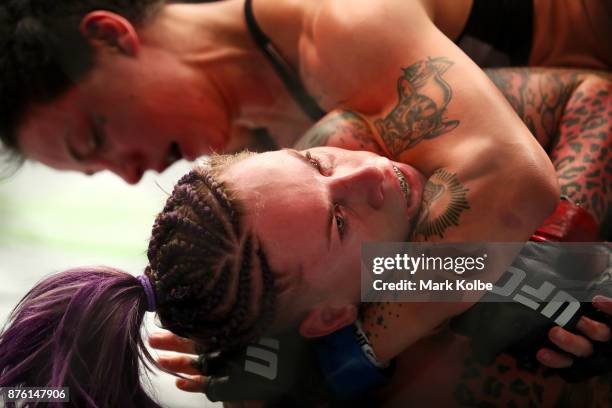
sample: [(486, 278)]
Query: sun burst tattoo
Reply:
[(443, 194), (420, 114)]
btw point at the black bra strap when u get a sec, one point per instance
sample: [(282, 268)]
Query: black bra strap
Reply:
[(283, 69)]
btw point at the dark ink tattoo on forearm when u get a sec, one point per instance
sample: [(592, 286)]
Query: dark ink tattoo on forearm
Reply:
[(317, 136), (343, 129), (444, 199), (506, 382), (538, 97), (420, 113), (583, 153), (570, 114)]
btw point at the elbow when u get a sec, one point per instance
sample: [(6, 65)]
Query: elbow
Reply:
[(539, 194), (547, 194)]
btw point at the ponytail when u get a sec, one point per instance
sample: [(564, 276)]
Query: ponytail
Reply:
[(80, 329)]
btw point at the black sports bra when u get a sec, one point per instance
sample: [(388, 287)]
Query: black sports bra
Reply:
[(291, 80), (498, 33)]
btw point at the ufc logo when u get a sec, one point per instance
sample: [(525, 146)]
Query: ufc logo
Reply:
[(526, 295), (263, 361)]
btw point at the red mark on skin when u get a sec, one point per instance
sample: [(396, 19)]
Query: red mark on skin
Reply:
[(510, 220)]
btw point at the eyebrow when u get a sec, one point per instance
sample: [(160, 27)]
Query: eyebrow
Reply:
[(330, 212), (300, 157)]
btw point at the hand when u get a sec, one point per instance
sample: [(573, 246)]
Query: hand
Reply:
[(577, 345), (522, 331), (285, 369), (181, 364), (273, 369)]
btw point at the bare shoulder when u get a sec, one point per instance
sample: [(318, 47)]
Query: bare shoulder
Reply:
[(332, 18), (347, 44)]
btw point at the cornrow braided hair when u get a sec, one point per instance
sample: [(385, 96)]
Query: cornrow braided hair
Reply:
[(202, 264)]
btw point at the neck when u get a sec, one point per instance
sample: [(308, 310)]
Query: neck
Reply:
[(213, 40)]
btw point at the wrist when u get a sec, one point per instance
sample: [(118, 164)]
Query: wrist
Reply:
[(367, 347), (383, 346)]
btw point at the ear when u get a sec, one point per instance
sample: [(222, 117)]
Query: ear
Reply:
[(324, 320), (106, 28)]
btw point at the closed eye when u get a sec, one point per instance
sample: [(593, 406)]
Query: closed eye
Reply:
[(97, 136)]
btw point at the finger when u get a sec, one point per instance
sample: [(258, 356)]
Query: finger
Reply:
[(553, 359), (211, 363), (595, 330), (603, 303), (194, 383), (179, 364), (171, 342), (569, 342)]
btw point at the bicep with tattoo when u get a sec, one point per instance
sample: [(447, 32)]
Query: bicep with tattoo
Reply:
[(420, 112)]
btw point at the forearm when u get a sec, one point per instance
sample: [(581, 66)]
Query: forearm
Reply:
[(538, 96), (342, 129), (568, 111), (582, 153)]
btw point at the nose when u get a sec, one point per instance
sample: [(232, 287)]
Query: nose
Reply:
[(363, 183), (130, 169)]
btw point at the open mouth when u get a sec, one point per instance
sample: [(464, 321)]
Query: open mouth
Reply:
[(174, 154), (403, 184)]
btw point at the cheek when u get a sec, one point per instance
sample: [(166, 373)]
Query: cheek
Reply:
[(337, 273), (383, 226), (346, 260), (345, 276)]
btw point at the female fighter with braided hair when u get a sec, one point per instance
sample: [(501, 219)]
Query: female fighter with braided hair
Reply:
[(245, 246)]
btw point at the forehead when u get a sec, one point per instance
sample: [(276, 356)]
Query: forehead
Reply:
[(278, 173), (46, 126), (285, 205)]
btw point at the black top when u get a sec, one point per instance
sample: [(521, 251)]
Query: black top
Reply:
[(497, 33), (283, 69)]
